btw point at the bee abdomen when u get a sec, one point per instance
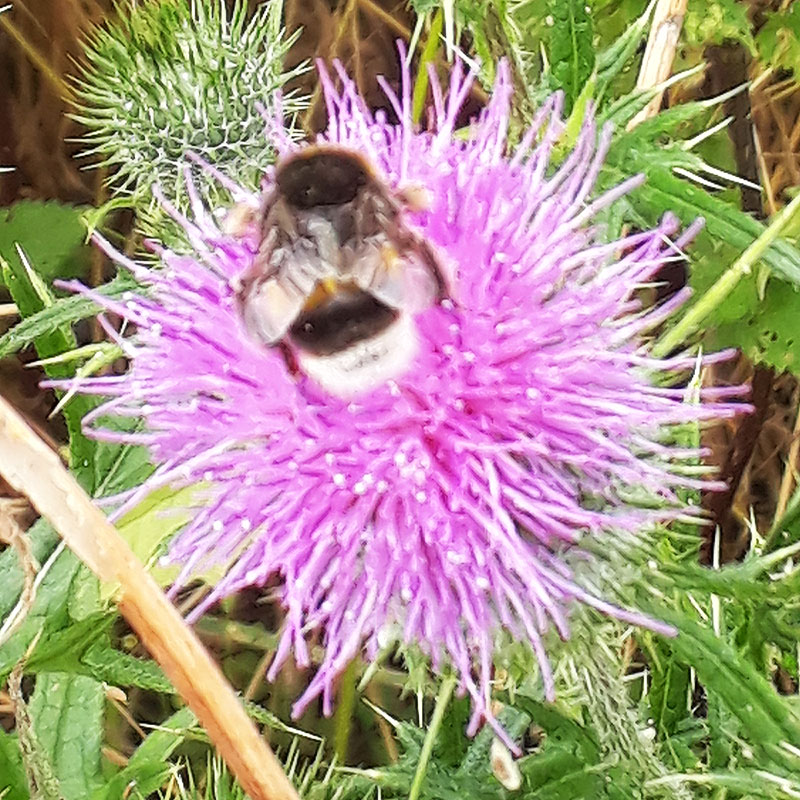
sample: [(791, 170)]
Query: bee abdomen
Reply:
[(342, 319)]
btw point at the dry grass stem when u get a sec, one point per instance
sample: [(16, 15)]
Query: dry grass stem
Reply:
[(662, 42)]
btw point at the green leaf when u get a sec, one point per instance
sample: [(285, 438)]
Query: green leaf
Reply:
[(668, 691), (767, 720), (100, 467), (63, 312), (50, 612), (63, 650), (570, 48), (723, 221), (31, 296), (717, 22), (766, 330), (747, 783), (778, 39), (612, 61), (13, 783), (43, 540), (566, 765), (67, 715), (121, 669), (61, 253), (149, 525), (149, 767)]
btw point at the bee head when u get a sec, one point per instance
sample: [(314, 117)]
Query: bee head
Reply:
[(322, 176)]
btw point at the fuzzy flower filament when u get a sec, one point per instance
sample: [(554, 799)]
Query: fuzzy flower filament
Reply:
[(437, 508)]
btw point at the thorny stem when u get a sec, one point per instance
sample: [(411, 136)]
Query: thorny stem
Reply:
[(690, 322), (442, 701)]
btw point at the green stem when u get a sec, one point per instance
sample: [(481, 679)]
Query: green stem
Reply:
[(442, 701), (428, 55), (343, 719), (690, 322)]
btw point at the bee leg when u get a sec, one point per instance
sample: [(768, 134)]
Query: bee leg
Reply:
[(289, 357), (432, 262)]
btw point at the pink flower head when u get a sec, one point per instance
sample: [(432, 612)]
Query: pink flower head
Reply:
[(435, 508)]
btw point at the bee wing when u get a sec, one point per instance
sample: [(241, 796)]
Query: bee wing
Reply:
[(270, 308), (402, 280)]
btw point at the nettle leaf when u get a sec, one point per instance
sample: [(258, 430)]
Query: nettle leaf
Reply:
[(61, 253), (121, 669), (67, 714), (778, 39), (570, 46), (718, 21)]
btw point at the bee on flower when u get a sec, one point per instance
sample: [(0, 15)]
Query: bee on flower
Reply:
[(400, 375)]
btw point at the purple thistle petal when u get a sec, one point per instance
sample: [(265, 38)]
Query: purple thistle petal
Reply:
[(435, 508)]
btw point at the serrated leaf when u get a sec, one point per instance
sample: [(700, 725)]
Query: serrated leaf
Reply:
[(63, 650), (767, 720), (50, 611), (724, 222), (64, 312), (612, 61), (121, 669), (61, 253), (67, 715), (767, 330), (570, 48), (747, 783)]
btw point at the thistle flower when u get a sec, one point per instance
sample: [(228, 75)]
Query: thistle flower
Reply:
[(436, 508)]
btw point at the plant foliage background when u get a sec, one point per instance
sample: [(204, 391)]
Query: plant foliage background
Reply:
[(712, 713)]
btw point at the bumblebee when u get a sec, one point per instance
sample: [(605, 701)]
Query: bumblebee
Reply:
[(339, 275)]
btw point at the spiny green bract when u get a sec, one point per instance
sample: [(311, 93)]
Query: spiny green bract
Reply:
[(171, 77)]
